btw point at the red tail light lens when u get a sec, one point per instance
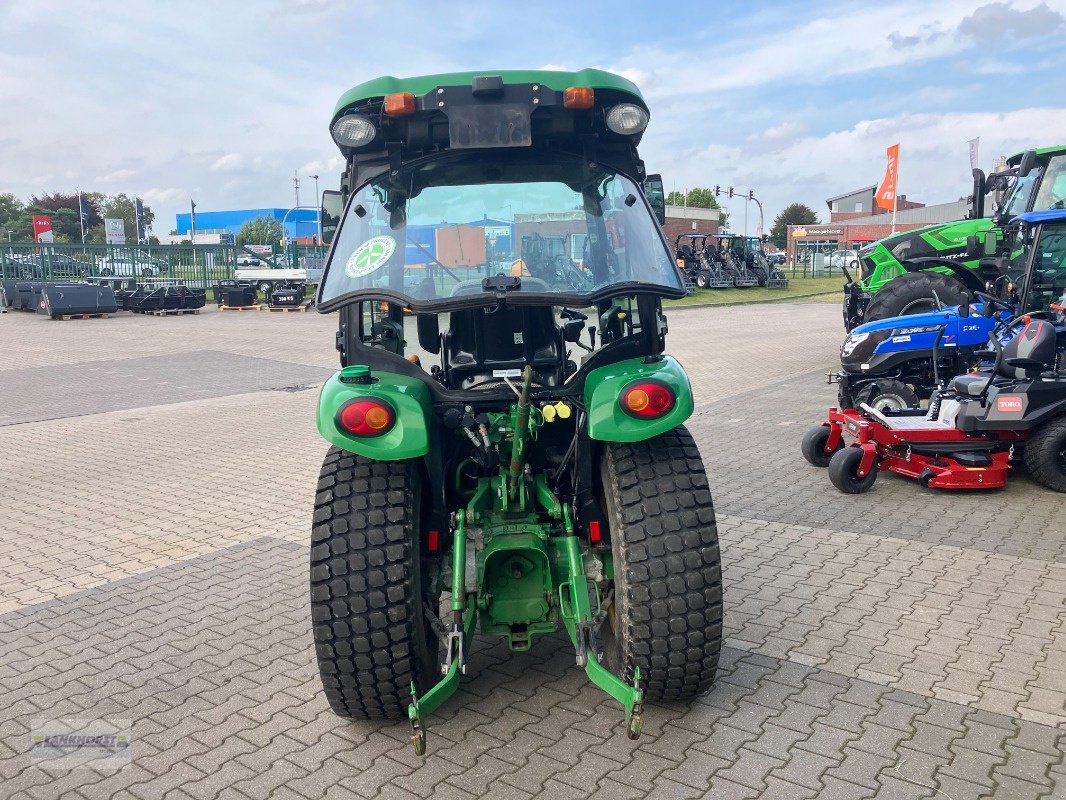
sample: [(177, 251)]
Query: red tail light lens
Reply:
[(647, 399), (366, 417)]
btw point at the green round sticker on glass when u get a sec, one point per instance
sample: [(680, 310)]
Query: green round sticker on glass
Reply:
[(370, 256)]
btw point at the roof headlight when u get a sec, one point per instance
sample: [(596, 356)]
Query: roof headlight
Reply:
[(627, 119), (353, 130)]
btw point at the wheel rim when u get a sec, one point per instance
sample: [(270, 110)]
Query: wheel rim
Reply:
[(889, 402)]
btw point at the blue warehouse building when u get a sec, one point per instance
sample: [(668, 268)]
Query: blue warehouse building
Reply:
[(299, 222)]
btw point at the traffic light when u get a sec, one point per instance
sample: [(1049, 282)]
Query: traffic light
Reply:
[(751, 194), (730, 191), (717, 190)]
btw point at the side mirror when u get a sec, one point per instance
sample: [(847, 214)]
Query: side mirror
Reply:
[(1027, 163), (973, 246), (977, 202), (653, 190), (991, 243), (331, 210)]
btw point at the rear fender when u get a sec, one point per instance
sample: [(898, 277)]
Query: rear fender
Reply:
[(607, 421), (409, 398)]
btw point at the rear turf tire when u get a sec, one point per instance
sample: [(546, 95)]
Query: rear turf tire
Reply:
[(813, 446), (703, 280), (916, 293), (842, 468), (667, 612), (371, 637), (1045, 455)]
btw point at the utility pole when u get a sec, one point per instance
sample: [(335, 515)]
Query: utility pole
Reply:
[(318, 200)]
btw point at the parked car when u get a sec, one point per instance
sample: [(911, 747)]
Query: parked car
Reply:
[(776, 259), (131, 262), (843, 258), (248, 260)]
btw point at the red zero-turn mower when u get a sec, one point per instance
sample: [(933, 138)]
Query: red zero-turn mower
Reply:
[(971, 431)]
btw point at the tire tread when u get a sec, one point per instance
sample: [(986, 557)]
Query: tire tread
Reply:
[(671, 616)]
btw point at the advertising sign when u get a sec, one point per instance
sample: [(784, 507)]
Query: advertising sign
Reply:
[(42, 228), (115, 231)]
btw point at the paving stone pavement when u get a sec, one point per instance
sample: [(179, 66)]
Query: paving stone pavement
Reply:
[(153, 566)]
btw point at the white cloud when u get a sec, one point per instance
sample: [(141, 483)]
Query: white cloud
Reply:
[(118, 176), (934, 158), (231, 162)]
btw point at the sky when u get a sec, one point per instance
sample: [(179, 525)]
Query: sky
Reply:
[(223, 102)]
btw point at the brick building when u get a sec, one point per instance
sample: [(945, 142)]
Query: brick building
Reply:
[(682, 219), (809, 244)]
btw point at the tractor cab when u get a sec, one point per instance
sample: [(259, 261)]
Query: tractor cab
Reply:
[(498, 267)]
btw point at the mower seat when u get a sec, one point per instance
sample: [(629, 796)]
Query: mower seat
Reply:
[(1025, 356), (1030, 352), (971, 384)]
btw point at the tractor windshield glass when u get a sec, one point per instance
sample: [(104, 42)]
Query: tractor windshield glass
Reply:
[(1052, 191), (531, 223), (1049, 267), (1018, 200)]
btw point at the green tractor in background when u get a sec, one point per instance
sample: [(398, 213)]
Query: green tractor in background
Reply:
[(508, 451), (942, 265)]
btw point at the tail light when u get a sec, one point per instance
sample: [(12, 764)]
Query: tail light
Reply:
[(647, 399), (366, 417)]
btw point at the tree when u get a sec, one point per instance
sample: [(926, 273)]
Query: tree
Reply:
[(699, 198), (261, 230), (795, 214), (10, 210), (124, 207)]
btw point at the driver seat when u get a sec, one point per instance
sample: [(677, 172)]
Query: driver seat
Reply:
[(1025, 356), (483, 344)]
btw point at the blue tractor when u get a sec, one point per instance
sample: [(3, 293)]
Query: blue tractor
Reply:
[(895, 363)]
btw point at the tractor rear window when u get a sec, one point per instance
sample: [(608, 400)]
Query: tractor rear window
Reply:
[(554, 223)]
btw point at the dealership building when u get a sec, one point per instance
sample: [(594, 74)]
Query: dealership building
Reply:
[(298, 222), (855, 220)]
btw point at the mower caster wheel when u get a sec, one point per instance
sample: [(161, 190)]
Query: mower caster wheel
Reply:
[(926, 476), (843, 467), (813, 446)]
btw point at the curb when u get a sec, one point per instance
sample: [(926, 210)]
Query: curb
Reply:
[(789, 298)]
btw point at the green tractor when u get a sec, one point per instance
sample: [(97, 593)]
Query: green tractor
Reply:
[(941, 265), (508, 451)]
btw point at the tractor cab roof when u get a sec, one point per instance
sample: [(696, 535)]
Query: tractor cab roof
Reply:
[(1036, 217), (405, 118), (557, 81), (1015, 159)]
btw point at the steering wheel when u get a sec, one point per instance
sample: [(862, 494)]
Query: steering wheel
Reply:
[(992, 304)]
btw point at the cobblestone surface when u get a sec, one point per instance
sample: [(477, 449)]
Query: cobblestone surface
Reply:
[(899, 644)]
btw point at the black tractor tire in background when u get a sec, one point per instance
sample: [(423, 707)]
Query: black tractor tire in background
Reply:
[(916, 293), (666, 617), (371, 636), (1045, 455), (843, 467), (812, 446), (887, 394), (760, 275)]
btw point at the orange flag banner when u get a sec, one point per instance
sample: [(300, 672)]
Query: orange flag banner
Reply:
[(886, 192)]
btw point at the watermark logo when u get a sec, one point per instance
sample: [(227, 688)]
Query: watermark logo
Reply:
[(69, 743)]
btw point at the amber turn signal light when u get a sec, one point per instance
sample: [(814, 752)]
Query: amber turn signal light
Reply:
[(400, 104), (579, 97)]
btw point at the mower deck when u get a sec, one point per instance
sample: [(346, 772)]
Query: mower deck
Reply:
[(933, 452)]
